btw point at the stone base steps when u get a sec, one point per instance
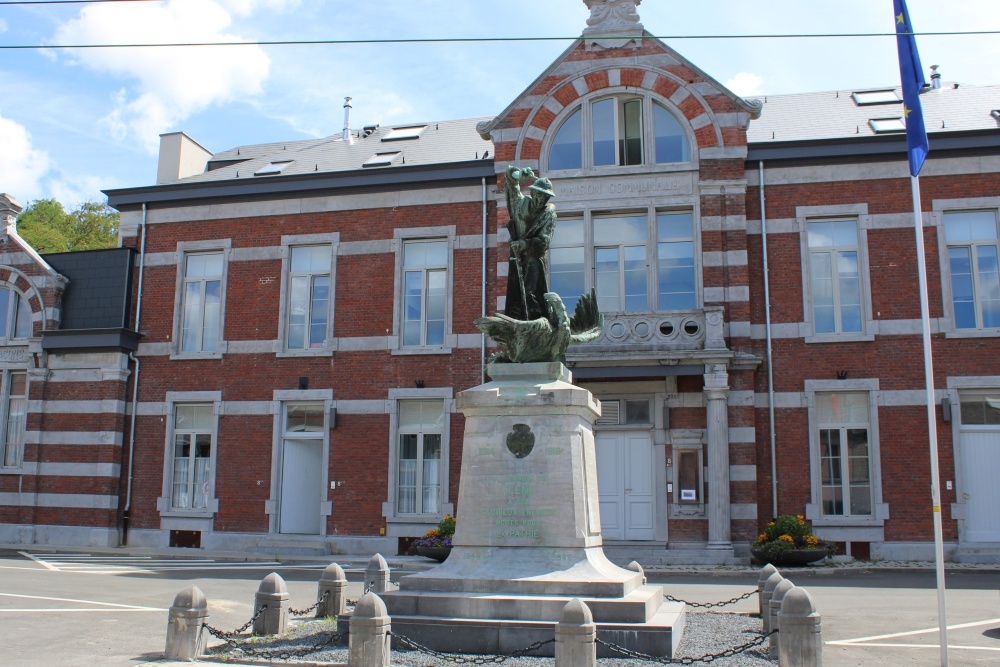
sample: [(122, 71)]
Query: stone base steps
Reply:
[(293, 546), (982, 554), (662, 554)]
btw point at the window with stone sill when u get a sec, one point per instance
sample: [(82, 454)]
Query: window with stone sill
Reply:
[(618, 131), (613, 253), (193, 443), (424, 296), (15, 314), (419, 453), (835, 276), (309, 291), (13, 418), (200, 299), (972, 244), (845, 454)]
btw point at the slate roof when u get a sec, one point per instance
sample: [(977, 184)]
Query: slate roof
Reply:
[(835, 115), (442, 142), (99, 292)]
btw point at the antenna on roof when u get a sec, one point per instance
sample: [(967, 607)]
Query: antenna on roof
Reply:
[(346, 135), (935, 78)]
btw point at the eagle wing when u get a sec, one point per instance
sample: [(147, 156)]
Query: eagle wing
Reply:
[(525, 340), (587, 321)]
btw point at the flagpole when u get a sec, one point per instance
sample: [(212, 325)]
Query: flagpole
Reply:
[(925, 321)]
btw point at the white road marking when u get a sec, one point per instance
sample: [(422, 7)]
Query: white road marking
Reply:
[(132, 607), (37, 560), (89, 611), (934, 646), (913, 632)]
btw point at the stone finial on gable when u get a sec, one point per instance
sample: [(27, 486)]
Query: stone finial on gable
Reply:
[(9, 210), (613, 24)]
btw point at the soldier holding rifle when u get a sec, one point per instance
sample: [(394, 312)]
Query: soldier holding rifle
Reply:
[(532, 222)]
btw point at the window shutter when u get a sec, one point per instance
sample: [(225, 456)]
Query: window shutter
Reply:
[(609, 413)]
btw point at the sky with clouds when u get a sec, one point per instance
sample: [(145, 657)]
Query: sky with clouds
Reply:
[(75, 122)]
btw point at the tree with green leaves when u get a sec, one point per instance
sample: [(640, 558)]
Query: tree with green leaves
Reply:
[(48, 227)]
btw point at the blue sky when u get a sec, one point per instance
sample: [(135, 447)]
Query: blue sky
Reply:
[(75, 122)]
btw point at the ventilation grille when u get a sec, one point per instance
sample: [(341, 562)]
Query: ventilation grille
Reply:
[(609, 413)]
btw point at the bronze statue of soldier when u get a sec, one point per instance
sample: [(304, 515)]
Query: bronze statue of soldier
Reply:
[(532, 223)]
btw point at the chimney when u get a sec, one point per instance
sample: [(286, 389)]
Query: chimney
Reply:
[(180, 157), (346, 136), (935, 78)]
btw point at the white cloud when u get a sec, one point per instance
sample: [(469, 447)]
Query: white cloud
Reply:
[(23, 166), (170, 84), (745, 84), (248, 7), (3, 26)]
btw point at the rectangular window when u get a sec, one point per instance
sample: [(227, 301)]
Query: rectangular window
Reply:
[(201, 304), (972, 242), (308, 297), (425, 293), (844, 454), (418, 484), (15, 405), (194, 435), (620, 263), (688, 463), (675, 261), (15, 314), (567, 262), (980, 409), (835, 277), (617, 131)]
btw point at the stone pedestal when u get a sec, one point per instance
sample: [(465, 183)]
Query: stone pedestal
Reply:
[(528, 537)]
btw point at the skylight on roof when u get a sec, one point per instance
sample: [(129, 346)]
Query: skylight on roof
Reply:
[(381, 159), (401, 133), (887, 125), (273, 168), (866, 97)]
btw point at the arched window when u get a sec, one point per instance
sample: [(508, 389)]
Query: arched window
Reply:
[(671, 142), (614, 131), (567, 148), (15, 313)]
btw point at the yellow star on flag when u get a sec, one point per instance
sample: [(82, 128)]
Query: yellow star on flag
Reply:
[(901, 20), (906, 112)]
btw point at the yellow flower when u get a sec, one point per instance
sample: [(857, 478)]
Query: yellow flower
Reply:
[(786, 538), (801, 522), (812, 540), (799, 517), (762, 537), (771, 524), (433, 532)]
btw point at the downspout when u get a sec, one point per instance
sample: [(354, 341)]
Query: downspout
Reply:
[(482, 345), (135, 383), (767, 328)]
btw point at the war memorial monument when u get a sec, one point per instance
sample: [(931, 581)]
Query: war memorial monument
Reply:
[(529, 533)]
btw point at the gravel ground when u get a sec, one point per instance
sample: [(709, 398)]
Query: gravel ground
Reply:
[(706, 633)]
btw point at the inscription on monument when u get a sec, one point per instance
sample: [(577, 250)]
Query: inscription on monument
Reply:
[(15, 354)]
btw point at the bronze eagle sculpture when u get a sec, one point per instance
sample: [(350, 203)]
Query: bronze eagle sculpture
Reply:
[(545, 338)]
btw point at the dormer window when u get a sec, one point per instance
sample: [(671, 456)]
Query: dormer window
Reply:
[(15, 313), (620, 131)]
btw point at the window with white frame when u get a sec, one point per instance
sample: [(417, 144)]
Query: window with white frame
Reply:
[(201, 302), (15, 400), (308, 310), (620, 263), (425, 293), (835, 276), (688, 475), (675, 278), (567, 264), (194, 440), (980, 409), (972, 240), (15, 314), (845, 454), (419, 463), (622, 130)]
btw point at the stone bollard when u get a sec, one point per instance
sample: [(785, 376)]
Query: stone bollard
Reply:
[(377, 575), (369, 638), (765, 599), (186, 636), (635, 567), (780, 591), (274, 594), (801, 632), (765, 573), (576, 636), (331, 598)]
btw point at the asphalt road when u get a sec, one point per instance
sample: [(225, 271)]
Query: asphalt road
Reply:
[(77, 610)]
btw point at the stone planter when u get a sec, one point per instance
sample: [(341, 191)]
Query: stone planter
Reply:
[(793, 558), (437, 553)]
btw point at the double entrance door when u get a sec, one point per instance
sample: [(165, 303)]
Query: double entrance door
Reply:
[(625, 484)]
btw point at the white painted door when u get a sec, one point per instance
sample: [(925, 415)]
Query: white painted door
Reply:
[(625, 484), (981, 461), (301, 487)]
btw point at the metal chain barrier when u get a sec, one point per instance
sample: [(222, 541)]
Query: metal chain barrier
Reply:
[(470, 660), (284, 653), (728, 653), (709, 605), (303, 612), (227, 636)]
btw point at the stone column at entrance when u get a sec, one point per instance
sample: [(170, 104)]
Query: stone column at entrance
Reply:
[(717, 426)]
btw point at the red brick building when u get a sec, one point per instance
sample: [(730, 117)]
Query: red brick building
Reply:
[(306, 315)]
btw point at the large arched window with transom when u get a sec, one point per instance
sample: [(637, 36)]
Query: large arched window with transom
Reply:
[(15, 313), (618, 131)]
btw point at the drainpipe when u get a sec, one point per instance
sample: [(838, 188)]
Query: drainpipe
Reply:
[(767, 328), (135, 383), (482, 345)]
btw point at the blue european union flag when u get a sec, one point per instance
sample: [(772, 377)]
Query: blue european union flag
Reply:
[(912, 75)]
